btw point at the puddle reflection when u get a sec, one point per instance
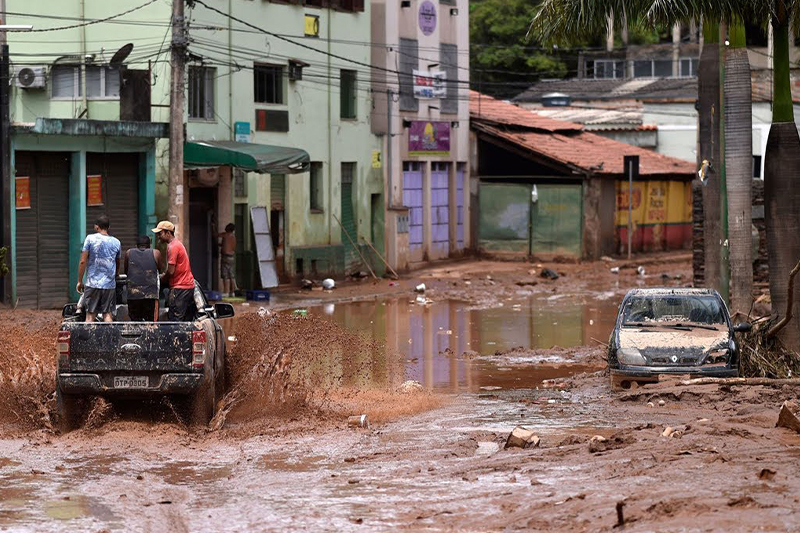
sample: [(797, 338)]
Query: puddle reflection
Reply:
[(431, 338)]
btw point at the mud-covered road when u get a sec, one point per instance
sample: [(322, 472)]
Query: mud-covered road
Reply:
[(433, 459)]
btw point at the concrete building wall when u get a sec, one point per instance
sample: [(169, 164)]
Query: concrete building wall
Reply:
[(390, 23)]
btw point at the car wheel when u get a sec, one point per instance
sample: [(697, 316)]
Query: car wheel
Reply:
[(69, 410), (204, 404)]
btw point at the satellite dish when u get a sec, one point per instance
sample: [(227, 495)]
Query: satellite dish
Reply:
[(26, 77), (121, 55)]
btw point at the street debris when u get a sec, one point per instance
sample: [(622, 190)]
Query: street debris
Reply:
[(615, 270), (767, 474), (787, 418), (521, 438), (420, 288), (263, 312), (358, 421), (300, 312), (640, 270), (328, 284), (306, 284), (548, 273)]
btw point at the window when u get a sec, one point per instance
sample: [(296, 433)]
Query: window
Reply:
[(408, 59), (66, 81), (662, 68), (268, 84), (448, 57), (102, 82), (688, 67), (239, 183), (348, 172), (347, 92), (315, 189), (201, 93), (609, 69)]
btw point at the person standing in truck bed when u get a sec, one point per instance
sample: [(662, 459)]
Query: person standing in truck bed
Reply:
[(178, 275), (142, 265), (100, 261)]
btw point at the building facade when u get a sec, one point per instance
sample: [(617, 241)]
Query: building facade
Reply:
[(262, 79), (420, 82)]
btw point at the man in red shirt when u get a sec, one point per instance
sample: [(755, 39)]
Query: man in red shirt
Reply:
[(178, 275)]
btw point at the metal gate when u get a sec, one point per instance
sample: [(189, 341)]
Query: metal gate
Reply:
[(460, 207), (523, 218), (42, 235), (412, 198), (119, 174), (440, 210), (351, 261)]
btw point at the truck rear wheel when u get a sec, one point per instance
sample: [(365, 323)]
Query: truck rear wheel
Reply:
[(204, 404), (69, 411)]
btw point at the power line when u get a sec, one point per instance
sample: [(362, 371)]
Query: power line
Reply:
[(96, 21)]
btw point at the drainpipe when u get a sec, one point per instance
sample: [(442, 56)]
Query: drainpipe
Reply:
[(84, 99), (330, 132)]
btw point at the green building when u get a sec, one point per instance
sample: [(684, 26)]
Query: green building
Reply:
[(90, 135)]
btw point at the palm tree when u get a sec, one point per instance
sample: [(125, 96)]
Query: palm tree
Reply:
[(781, 177), (738, 181)]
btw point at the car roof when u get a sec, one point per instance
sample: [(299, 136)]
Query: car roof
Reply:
[(669, 291)]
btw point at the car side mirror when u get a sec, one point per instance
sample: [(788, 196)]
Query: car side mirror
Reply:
[(224, 310), (69, 310), (742, 327)]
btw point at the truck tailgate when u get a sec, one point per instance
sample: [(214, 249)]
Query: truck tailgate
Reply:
[(130, 346)]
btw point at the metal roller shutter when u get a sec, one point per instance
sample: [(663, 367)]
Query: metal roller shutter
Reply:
[(120, 173), (351, 258), (43, 231)]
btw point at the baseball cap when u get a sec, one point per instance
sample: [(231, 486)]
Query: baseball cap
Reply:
[(164, 225)]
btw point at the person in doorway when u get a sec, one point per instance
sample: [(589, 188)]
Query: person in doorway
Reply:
[(142, 265), (100, 261), (178, 275), (228, 248)]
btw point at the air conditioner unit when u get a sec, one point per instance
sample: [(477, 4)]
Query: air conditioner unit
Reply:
[(30, 77)]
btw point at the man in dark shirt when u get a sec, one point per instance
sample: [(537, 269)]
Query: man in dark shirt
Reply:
[(178, 275), (142, 265)]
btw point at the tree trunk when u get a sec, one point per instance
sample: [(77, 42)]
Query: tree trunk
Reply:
[(781, 180), (709, 149), (739, 170)]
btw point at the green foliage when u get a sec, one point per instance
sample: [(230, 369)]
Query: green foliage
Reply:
[(501, 54)]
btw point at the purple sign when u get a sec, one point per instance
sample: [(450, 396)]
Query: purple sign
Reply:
[(427, 17), (429, 138)]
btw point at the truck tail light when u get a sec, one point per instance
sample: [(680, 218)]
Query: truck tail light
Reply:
[(62, 349), (198, 349)]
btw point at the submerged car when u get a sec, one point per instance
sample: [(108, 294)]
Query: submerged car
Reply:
[(672, 331)]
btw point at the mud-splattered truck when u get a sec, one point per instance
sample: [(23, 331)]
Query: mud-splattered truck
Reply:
[(124, 359)]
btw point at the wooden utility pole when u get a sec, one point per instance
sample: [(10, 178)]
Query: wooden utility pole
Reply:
[(5, 157), (176, 104)]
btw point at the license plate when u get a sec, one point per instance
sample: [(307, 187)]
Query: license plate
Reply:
[(130, 382)]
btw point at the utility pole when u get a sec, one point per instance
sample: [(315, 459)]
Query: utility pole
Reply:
[(389, 162), (5, 157), (176, 105)]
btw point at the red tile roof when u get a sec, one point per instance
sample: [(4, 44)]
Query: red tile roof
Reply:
[(487, 109), (574, 148)]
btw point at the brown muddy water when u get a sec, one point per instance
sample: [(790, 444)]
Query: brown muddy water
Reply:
[(451, 346), (311, 474)]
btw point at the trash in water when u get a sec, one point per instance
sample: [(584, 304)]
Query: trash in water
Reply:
[(328, 284), (549, 273), (300, 312), (420, 288), (615, 270), (358, 421), (263, 312), (640, 270)]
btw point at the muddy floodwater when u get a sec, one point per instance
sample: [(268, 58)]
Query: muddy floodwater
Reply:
[(665, 457)]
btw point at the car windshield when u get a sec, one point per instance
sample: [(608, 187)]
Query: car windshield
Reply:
[(668, 309)]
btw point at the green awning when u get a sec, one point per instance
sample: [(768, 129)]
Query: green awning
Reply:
[(262, 158)]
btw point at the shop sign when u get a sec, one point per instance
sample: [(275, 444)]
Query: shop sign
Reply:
[(427, 17), (429, 84), (241, 131), (429, 138), (23, 192), (94, 190), (376, 159)]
